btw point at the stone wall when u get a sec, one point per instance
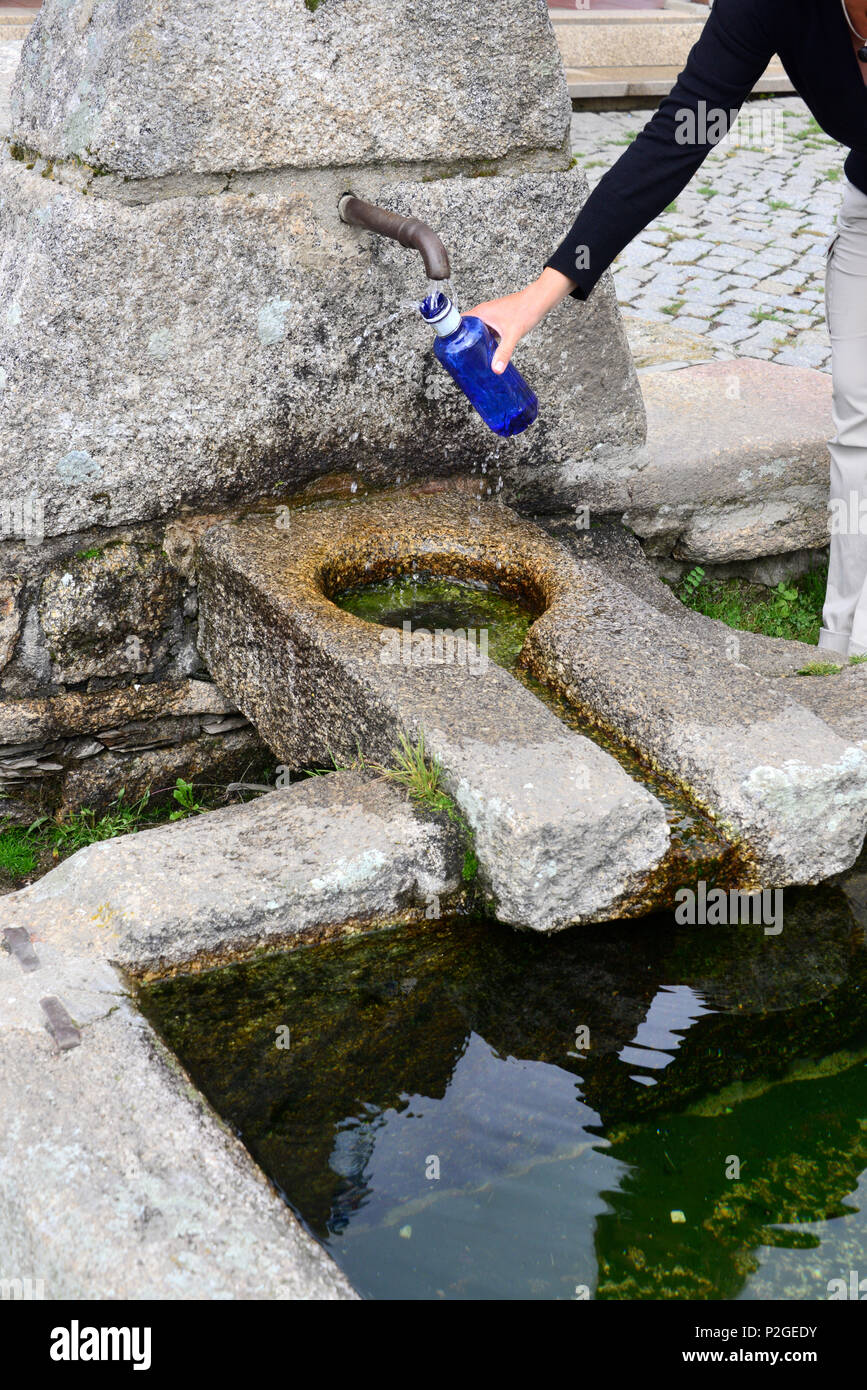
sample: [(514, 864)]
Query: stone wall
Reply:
[(101, 683)]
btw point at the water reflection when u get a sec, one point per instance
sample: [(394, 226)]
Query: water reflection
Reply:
[(469, 1112)]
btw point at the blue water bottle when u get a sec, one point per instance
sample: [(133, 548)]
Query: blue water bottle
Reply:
[(465, 347)]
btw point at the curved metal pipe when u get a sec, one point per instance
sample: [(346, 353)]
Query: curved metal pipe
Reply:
[(409, 231)]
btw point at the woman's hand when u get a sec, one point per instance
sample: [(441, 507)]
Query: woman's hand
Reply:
[(512, 317)]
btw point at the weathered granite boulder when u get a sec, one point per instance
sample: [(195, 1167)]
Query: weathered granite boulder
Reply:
[(102, 612), (257, 340), (186, 319), (735, 464), (149, 90)]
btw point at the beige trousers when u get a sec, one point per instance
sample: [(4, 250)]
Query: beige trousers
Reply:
[(844, 617)]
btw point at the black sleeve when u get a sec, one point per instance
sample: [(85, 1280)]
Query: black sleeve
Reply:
[(735, 47)]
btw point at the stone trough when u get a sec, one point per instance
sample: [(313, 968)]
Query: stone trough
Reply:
[(562, 833)]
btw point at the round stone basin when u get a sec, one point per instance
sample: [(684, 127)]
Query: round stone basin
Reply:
[(447, 603)]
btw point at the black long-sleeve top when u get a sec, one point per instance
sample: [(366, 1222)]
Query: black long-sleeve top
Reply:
[(738, 41)]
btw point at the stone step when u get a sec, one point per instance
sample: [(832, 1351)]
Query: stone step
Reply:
[(648, 80), (15, 21), (735, 465), (599, 48), (562, 834)]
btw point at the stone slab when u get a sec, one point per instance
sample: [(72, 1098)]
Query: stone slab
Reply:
[(773, 774), (840, 700), (117, 1181), (735, 464), (289, 865), (268, 84), (77, 712)]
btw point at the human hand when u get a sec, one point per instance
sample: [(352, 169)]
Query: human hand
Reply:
[(514, 315)]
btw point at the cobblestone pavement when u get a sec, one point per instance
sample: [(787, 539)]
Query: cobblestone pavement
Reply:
[(736, 266), (739, 258)]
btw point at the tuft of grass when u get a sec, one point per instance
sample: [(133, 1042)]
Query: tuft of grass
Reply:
[(819, 668), (792, 610), (87, 827), (420, 776), (17, 854), (857, 660), (673, 308)]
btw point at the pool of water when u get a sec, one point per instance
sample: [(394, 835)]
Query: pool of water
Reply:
[(458, 1110)]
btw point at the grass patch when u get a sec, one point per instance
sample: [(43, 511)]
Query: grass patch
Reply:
[(17, 854), (29, 851), (674, 308), (421, 777), (792, 610), (819, 668)]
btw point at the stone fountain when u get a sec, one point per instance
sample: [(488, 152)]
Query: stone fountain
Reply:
[(217, 408)]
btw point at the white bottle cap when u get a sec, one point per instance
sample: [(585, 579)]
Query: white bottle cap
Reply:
[(447, 320)]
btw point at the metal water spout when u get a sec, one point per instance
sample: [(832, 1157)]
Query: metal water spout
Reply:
[(409, 231)]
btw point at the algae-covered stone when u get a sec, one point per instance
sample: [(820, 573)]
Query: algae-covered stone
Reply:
[(102, 613), (149, 89)]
